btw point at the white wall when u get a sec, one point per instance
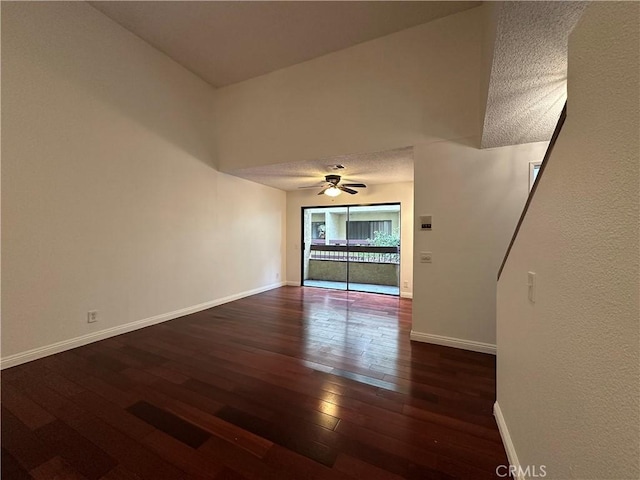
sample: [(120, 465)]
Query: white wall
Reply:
[(417, 85), (109, 197), (388, 193), (475, 197), (569, 364)]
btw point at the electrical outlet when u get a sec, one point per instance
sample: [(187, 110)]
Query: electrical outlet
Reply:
[(277, 276), (405, 284), (425, 257), (92, 316)]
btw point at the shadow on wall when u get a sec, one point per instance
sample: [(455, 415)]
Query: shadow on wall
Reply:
[(93, 54)]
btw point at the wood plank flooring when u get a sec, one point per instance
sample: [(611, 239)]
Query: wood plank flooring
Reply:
[(294, 383)]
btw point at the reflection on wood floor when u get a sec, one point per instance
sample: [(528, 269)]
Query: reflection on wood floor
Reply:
[(356, 287), (294, 383)]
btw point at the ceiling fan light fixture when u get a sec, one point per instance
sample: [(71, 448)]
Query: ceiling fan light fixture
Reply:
[(332, 191)]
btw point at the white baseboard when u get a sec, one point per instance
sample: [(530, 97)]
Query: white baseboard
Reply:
[(453, 342), (406, 294), (292, 284), (506, 440), (40, 352)]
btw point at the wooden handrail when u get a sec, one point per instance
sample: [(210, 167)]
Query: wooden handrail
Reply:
[(552, 143)]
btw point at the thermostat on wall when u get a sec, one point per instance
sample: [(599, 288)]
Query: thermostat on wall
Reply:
[(425, 222)]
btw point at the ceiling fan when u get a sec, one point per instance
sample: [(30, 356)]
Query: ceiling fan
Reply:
[(333, 188)]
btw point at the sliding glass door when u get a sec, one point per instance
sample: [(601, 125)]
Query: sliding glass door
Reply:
[(354, 247)]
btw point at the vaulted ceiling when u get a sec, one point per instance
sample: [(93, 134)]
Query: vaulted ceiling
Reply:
[(227, 42)]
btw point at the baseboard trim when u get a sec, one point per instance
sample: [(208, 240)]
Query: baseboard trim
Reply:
[(453, 342), (406, 294), (40, 352), (292, 284), (507, 442)]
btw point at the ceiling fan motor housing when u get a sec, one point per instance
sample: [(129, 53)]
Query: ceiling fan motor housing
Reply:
[(333, 179)]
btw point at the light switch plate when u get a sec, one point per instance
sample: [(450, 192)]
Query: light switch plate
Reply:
[(531, 283), (425, 257)]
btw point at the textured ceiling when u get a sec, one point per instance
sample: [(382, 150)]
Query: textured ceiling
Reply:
[(227, 42), (527, 86), (370, 168)]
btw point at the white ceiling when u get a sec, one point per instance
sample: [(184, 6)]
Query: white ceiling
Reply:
[(527, 88), (225, 42), (390, 166)]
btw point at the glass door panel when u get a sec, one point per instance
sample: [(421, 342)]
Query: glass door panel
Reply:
[(325, 252), (373, 233)]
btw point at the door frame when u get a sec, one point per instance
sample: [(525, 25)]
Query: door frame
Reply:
[(347, 206)]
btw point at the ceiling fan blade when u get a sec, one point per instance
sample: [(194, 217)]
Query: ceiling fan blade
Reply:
[(355, 185), (348, 190), (313, 186), (324, 190)]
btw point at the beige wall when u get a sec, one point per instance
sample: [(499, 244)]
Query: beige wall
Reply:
[(387, 193), (475, 197), (417, 85), (569, 364), (109, 198)]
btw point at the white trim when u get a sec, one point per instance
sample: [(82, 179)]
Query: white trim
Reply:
[(289, 283), (506, 440), (40, 352), (453, 342)]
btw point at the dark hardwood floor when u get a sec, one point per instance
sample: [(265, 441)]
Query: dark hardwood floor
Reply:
[(290, 384)]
